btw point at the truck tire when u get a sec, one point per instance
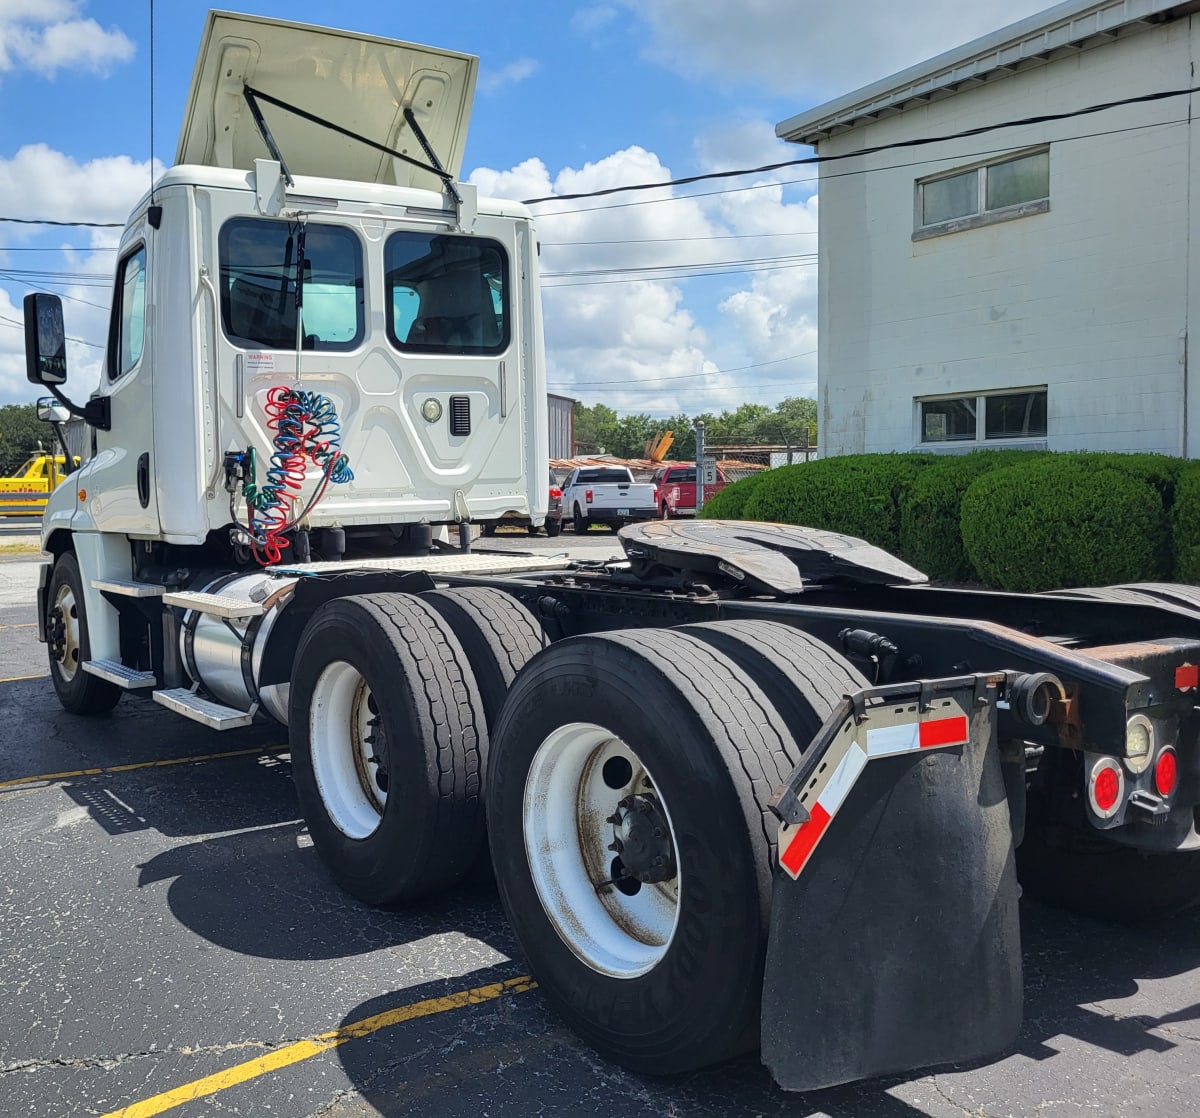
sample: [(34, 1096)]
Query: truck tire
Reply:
[(69, 646), (488, 528), (397, 819), (553, 527), (579, 521), (803, 677), (661, 973), (498, 634), (1104, 880)]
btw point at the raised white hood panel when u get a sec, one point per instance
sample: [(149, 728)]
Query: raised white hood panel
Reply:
[(360, 82)]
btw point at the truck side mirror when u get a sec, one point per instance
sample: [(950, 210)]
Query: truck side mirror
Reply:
[(45, 340), (49, 410)]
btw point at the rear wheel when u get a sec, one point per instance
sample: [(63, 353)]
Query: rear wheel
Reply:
[(632, 843), (388, 741), (68, 644), (489, 528), (803, 677), (553, 527), (580, 523), (1103, 880), (497, 633)]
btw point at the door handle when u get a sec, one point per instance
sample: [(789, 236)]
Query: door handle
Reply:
[(143, 479)]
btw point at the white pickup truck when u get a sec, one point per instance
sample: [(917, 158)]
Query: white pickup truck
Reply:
[(606, 495)]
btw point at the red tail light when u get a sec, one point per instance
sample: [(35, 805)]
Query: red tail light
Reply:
[(1105, 787), (1166, 772), (555, 493), (588, 496)]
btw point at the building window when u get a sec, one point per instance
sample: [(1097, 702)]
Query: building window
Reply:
[(984, 417), (1008, 188)]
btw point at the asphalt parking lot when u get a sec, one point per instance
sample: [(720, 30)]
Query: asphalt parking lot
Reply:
[(169, 944)]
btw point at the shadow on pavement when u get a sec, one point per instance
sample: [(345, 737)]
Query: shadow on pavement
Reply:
[(511, 1056)]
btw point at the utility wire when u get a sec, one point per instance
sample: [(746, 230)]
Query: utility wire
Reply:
[(920, 141), (14, 324), (809, 161), (685, 376)]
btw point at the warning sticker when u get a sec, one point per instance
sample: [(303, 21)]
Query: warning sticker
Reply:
[(256, 363)]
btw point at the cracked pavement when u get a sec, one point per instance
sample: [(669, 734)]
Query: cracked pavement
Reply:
[(165, 924)]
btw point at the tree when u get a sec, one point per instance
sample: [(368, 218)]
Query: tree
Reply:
[(595, 429), (21, 432), (631, 436), (792, 423)]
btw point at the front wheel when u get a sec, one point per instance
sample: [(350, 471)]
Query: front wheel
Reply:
[(68, 644), (632, 844)]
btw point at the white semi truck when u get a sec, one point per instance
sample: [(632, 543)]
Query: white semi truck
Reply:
[(754, 785)]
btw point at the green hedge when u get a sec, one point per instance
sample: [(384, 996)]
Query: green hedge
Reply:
[(730, 503), (1034, 519), (1185, 523), (1054, 523), (930, 536), (858, 494)]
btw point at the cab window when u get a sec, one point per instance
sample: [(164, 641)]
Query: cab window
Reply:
[(261, 259), (446, 294), (127, 335)]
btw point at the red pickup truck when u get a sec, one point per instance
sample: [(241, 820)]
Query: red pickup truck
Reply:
[(675, 489)]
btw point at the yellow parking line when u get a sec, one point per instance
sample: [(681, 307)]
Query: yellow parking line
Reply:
[(314, 1046), (20, 625), (19, 678), (46, 777)]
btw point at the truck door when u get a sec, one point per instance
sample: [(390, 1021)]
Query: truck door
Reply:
[(120, 478)]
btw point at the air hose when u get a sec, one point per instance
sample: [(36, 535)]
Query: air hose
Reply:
[(306, 431)]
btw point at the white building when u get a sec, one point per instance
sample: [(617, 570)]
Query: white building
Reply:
[(1029, 285)]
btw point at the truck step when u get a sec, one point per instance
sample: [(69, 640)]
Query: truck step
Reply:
[(213, 715), (218, 605), (115, 672), (127, 587)]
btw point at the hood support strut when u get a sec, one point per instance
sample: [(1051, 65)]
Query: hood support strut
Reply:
[(434, 166)]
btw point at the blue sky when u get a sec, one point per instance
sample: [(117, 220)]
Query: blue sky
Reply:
[(572, 96)]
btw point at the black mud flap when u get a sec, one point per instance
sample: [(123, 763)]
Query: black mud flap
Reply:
[(895, 941)]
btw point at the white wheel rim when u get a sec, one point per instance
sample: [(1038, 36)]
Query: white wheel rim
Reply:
[(64, 602), (567, 832), (345, 763)]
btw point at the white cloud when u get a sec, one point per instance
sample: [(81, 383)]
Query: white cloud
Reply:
[(39, 182), (44, 183), (588, 21), (655, 341), (811, 49), (490, 81), (48, 36)]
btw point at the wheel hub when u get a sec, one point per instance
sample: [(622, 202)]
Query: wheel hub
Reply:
[(642, 841), (56, 634)]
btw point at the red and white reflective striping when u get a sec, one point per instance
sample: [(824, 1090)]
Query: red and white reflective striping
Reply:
[(797, 843)]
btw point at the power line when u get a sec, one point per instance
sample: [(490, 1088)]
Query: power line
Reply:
[(685, 376), (676, 240), (683, 275), (64, 224), (14, 324), (920, 141)]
